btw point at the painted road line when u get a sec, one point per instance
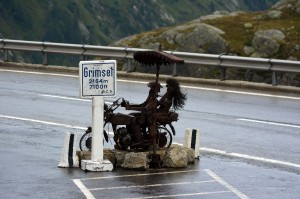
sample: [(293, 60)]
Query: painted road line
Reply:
[(153, 185), (268, 122), (143, 82), (216, 151), (249, 157), (42, 122), (141, 174), (225, 184), (65, 98), (69, 98), (84, 190), (183, 195), (241, 92), (38, 73)]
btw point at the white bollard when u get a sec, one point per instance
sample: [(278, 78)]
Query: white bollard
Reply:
[(192, 140), (69, 157)]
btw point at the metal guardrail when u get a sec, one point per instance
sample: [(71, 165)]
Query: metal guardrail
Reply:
[(222, 61)]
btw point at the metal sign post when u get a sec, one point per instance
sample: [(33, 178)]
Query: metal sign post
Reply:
[(97, 80)]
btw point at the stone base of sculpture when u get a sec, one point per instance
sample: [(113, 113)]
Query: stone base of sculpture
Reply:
[(174, 157)]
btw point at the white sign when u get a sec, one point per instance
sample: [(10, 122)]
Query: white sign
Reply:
[(98, 78)]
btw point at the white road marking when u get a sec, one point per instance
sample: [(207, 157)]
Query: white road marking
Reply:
[(84, 190), (69, 98), (140, 174), (249, 157), (271, 123), (37, 73), (228, 186), (153, 185), (242, 92), (143, 82), (182, 195), (65, 98), (41, 122)]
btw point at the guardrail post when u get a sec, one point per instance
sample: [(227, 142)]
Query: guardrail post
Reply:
[(6, 55), (45, 58), (174, 71), (83, 57), (274, 78), (223, 73), (128, 62)]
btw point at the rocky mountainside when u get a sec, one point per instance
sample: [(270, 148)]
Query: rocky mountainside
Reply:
[(274, 33)]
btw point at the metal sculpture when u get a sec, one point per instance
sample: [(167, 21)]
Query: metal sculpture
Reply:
[(151, 125)]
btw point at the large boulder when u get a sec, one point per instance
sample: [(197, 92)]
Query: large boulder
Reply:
[(266, 43), (136, 161), (203, 38), (175, 158), (178, 156)]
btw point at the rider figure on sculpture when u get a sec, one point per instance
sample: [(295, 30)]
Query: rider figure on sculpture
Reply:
[(155, 111)]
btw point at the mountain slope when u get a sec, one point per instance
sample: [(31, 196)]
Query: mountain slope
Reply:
[(102, 21), (99, 22)]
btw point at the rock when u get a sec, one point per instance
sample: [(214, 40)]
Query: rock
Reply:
[(218, 14), (272, 34), (109, 155), (248, 50), (221, 12), (264, 47), (248, 25), (273, 14), (119, 156), (136, 161), (292, 58), (190, 155), (266, 43), (175, 157), (203, 38)]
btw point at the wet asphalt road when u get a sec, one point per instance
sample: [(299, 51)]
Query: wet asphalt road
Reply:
[(242, 123)]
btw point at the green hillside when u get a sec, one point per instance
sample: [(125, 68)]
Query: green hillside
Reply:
[(273, 33)]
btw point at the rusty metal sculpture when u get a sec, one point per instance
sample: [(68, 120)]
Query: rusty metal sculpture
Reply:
[(152, 125)]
